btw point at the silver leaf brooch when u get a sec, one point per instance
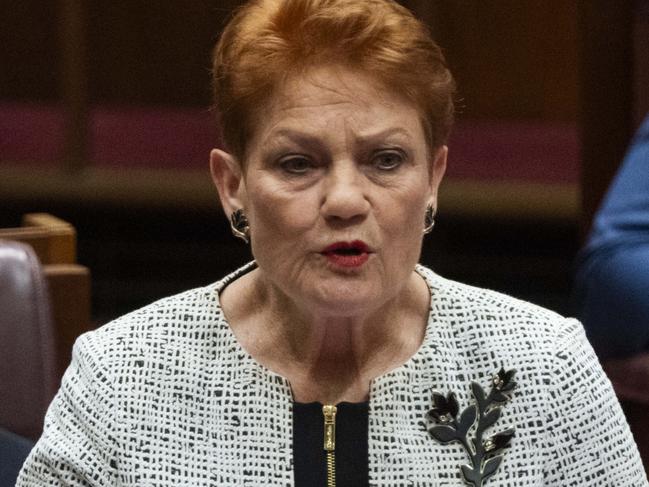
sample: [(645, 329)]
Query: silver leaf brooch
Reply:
[(446, 424)]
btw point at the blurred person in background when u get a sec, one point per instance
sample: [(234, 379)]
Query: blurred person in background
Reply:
[(612, 280)]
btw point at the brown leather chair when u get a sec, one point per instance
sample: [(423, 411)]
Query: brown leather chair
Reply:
[(28, 373), (54, 243), (54, 240)]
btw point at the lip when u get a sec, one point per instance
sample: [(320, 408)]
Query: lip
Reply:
[(336, 256), (357, 245)]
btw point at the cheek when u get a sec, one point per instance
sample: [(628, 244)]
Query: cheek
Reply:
[(402, 223), (407, 230), (404, 207), (277, 217)]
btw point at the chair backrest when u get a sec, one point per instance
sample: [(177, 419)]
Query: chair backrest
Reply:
[(54, 240), (55, 243), (69, 286), (28, 375)]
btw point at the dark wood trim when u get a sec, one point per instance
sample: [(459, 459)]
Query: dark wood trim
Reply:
[(145, 188), (74, 83), (606, 102)]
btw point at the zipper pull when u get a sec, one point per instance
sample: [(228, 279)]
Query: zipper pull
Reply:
[(329, 413)]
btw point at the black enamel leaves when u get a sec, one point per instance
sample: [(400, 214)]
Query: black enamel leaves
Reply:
[(447, 424)]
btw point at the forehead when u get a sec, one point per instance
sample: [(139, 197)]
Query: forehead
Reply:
[(327, 97)]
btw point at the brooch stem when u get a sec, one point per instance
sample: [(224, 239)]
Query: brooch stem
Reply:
[(445, 425)]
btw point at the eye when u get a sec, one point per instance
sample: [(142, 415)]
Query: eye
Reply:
[(296, 165), (388, 160)]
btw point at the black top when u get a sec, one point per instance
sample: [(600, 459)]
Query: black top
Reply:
[(309, 456)]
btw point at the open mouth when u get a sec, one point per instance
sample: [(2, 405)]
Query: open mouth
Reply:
[(356, 247), (347, 254), (350, 251)]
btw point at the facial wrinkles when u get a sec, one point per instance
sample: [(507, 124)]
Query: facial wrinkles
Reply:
[(333, 114), (342, 125), (317, 97)]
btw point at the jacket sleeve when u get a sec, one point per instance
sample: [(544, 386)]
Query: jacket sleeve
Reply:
[(590, 441), (77, 447)]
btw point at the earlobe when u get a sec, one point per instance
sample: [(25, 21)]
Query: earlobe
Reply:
[(227, 177)]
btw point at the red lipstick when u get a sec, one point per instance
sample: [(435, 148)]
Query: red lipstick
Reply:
[(347, 254)]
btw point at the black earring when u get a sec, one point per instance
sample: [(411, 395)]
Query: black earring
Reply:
[(429, 219), (240, 225)]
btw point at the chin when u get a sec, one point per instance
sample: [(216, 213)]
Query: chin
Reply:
[(345, 299)]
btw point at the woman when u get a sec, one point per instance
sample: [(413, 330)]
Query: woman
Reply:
[(334, 358)]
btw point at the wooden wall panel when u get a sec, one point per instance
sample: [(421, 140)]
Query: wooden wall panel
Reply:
[(641, 62), (513, 59), (606, 102), (28, 50), (153, 53)]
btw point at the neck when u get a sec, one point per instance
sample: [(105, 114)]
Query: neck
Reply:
[(326, 357)]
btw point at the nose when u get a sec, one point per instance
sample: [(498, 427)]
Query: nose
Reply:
[(344, 193)]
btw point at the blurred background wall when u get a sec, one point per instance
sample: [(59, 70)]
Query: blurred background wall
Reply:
[(105, 122)]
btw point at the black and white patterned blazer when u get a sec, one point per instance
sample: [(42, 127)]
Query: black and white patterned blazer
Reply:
[(165, 396)]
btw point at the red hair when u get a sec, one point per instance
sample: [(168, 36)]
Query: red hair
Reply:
[(268, 40)]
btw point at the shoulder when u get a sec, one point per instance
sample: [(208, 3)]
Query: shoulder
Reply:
[(464, 306), (187, 323), (170, 336), (483, 330)]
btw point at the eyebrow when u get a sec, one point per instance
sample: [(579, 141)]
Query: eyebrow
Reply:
[(363, 139), (382, 134), (298, 136)]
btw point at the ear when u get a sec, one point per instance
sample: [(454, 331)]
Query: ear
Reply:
[(227, 177), (437, 170)]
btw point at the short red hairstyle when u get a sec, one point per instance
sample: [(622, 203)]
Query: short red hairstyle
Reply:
[(268, 40)]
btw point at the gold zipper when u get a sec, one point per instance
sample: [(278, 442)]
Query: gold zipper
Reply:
[(329, 413)]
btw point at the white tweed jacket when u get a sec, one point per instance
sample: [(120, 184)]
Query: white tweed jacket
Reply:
[(166, 396)]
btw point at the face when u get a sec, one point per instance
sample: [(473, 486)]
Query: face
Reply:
[(335, 187)]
